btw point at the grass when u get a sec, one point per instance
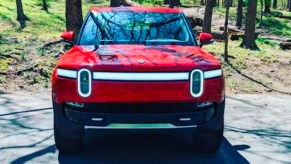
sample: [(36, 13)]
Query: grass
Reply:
[(45, 25), (221, 12), (278, 26), (240, 55)]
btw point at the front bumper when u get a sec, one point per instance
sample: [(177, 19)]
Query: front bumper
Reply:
[(74, 123)]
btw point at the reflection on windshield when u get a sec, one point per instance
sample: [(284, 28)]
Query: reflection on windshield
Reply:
[(128, 27)]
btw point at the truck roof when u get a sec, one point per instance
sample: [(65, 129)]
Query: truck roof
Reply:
[(137, 9)]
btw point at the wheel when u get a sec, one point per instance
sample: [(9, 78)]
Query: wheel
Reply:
[(68, 136), (67, 145), (209, 143)]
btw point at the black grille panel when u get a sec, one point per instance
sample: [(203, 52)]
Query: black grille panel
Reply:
[(137, 108)]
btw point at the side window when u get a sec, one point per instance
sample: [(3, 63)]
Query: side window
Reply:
[(89, 35)]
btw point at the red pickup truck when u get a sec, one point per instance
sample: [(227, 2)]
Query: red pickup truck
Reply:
[(137, 70)]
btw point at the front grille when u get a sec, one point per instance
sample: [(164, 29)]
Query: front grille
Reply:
[(138, 108)]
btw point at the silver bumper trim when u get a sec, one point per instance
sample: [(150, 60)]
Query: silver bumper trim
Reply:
[(140, 126)]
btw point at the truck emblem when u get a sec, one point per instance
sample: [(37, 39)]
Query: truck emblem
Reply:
[(141, 61)]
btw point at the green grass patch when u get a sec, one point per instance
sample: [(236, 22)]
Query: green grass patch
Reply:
[(4, 63), (232, 12), (45, 25), (241, 56), (266, 41), (278, 26)]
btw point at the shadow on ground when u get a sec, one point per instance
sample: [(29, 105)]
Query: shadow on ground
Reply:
[(151, 149)]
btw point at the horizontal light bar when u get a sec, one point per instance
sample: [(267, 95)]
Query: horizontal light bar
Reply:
[(66, 73), (132, 76), (140, 126), (122, 76), (212, 74)]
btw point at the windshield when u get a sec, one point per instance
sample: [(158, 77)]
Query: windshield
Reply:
[(126, 27)]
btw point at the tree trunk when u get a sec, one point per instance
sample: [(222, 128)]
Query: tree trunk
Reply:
[(261, 14), (44, 5), (129, 3), (202, 2), (239, 14), (214, 3), (226, 31), (166, 2), (174, 3), (208, 16), (275, 2), (289, 5), (267, 6), (74, 17), (249, 39), (115, 3), (21, 17)]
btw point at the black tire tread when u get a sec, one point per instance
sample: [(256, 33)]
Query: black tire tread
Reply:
[(67, 145), (211, 143)]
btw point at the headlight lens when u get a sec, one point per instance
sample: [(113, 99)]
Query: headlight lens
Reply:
[(84, 82)]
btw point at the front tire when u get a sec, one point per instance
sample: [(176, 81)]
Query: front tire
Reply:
[(210, 143), (209, 137), (67, 145)]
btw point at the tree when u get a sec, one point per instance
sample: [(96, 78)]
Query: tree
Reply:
[(207, 16), (21, 17), (202, 2), (226, 31), (117, 3), (275, 2), (250, 36), (173, 3), (214, 3), (267, 6), (44, 5), (74, 17), (114, 3), (239, 14), (261, 14), (289, 5)]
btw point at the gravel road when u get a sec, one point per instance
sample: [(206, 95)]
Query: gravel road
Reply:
[(258, 130)]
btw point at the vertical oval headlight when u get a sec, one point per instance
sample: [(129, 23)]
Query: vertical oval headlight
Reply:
[(84, 82), (196, 83)]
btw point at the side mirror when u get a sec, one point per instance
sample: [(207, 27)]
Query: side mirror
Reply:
[(68, 37), (205, 38)]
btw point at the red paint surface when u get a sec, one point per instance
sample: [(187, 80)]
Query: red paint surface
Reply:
[(124, 58), (205, 37), (68, 35)]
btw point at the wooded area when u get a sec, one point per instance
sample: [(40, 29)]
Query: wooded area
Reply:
[(254, 30)]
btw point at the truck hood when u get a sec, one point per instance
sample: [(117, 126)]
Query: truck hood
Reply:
[(131, 58)]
